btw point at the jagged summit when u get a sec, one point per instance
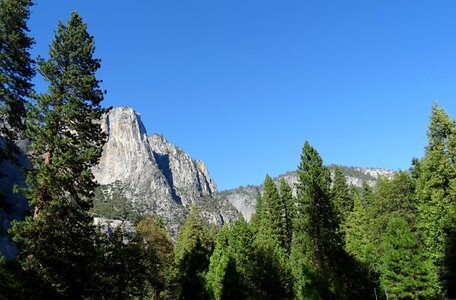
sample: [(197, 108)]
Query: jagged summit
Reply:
[(151, 174)]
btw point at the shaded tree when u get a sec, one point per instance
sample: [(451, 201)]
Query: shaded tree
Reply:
[(16, 66), (288, 210), (191, 258), (58, 241), (342, 198), (157, 253)]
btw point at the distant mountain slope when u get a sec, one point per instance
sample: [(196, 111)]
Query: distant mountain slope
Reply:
[(244, 197)]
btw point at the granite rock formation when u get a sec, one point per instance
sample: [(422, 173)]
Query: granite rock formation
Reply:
[(152, 175)]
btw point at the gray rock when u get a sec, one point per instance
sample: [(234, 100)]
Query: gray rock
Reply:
[(154, 176)]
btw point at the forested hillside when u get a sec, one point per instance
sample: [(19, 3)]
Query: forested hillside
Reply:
[(327, 239)]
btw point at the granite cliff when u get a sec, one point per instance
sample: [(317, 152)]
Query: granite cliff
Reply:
[(143, 174)]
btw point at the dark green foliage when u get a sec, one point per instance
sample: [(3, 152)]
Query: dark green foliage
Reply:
[(395, 196), (157, 252), (110, 202), (320, 266), (271, 221), (270, 243), (245, 254), (342, 198), (316, 224), (288, 210), (192, 253), (58, 241), (404, 272), (16, 73), (121, 268), (16, 65)]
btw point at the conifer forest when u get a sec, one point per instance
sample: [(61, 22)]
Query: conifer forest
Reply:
[(320, 239)]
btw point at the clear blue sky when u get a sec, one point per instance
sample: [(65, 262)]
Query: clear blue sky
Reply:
[(242, 84)]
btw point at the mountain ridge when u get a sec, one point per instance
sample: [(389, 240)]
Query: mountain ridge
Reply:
[(141, 174)]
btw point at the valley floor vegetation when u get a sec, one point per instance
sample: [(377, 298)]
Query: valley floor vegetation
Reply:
[(322, 239)]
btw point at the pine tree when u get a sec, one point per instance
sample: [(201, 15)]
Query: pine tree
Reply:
[(222, 279), (245, 254), (157, 253), (288, 211), (436, 194), (16, 65), (270, 242), (342, 198), (191, 258), (58, 241), (357, 235), (394, 196), (16, 73), (271, 222), (404, 272), (316, 234)]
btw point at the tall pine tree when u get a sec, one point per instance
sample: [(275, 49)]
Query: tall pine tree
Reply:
[(342, 198), (316, 235), (288, 210), (191, 258), (58, 241), (436, 194), (16, 73)]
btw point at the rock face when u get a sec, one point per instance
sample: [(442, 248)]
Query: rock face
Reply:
[(153, 175), (188, 179), (244, 197), (15, 205)]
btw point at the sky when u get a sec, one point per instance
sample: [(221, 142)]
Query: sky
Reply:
[(241, 84)]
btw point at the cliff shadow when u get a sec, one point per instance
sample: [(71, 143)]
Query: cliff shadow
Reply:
[(163, 163)]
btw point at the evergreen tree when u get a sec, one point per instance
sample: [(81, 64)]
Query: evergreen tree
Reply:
[(222, 279), (404, 273), (316, 237), (157, 253), (16, 66), (367, 194), (342, 198), (271, 221), (288, 208), (121, 268), (394, 196), (436, 194), (357, 235), (58, 242), (270, 242), (16, 73), (245, 254), (191, 258)]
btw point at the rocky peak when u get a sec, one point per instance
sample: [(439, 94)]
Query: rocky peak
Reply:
[(127, 148), (188, 178), (150, 175)]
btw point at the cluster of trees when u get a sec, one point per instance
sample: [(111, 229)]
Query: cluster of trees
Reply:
[(330, 240), (321, 239)]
